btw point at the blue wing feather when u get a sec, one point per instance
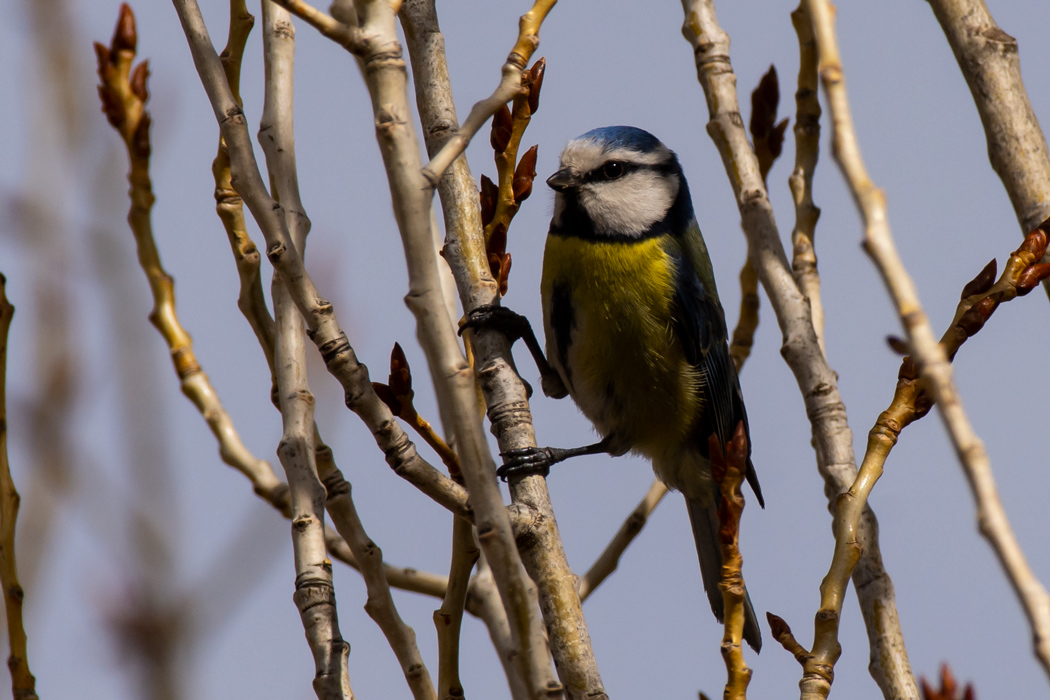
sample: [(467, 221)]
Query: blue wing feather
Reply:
[(699, 323)]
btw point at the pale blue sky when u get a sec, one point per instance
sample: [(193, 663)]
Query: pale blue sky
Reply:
[(608, 63)]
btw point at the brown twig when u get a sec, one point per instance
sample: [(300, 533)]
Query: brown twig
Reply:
[(728, 470), (23, 684)]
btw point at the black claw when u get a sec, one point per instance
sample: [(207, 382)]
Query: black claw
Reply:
[(500, 318), (526, 461)]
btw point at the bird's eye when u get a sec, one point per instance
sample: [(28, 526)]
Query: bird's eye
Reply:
[(613, 170)]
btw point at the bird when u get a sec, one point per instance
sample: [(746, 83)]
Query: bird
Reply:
[(635, 332)]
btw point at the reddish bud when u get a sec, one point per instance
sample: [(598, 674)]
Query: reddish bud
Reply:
[(112, 107), (400, 373), (138, 81), (776, 138), (104, 59), (489, 194), (140, 146), (777, 625), (898, 345), (1032, 276), (124, 36), (502, 125), (1035, 242), (764, 101), (497, 243), (504, 274), (524, 174), (535, 83), (973, 320), (387, 396), (982, 282)]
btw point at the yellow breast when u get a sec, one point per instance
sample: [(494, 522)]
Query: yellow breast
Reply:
[(622, 362)]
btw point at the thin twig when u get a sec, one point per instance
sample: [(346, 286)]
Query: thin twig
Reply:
[(23, 684), (832, 438), (609, 559), (807, 150), (929, 355)]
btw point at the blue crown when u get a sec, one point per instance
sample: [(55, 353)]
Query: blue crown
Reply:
[(623, 137)]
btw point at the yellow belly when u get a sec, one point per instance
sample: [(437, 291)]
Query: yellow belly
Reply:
[(624, 367)]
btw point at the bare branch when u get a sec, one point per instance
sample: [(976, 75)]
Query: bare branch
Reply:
[(929, 355), (832, 438), (989, 61)]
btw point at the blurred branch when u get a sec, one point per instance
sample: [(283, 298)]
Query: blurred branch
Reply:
[(23, 684), (124, 95), (610, 557), (989, 60), (728, 472), (930, 357), (832, 438)]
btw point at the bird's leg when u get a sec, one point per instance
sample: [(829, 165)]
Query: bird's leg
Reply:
[(538, 460), (515, 327)]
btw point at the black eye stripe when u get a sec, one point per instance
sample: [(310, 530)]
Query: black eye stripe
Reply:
[(599, 174)]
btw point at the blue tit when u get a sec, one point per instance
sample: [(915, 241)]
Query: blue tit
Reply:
[(634, 328)]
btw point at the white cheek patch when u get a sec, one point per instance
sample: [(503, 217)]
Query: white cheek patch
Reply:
[(630, 205)]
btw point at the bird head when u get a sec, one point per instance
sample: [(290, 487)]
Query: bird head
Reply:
[(618, 182)]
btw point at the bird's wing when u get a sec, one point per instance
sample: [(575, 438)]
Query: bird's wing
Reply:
[(700, 326)]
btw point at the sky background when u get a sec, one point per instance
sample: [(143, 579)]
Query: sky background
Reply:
[(144, 474)]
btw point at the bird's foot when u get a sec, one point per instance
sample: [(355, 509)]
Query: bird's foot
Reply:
[(494, 317), (527, 461)]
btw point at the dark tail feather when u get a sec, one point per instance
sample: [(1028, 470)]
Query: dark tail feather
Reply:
[(705, 532)]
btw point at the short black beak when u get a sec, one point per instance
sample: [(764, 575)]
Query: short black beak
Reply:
[(561, 180)]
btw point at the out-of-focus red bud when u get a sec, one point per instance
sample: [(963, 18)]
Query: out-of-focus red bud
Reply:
[(504, 274), (502, 125), (535, 83), (112, 107), (104, 59), (489, 194), (387, 396), (1032, 276), (776, 138), (524, 174), (140, 139), (982, 282), (764, 101), (1035, 243), (908, 369), (124, 36), (138, 81), (898, 345), (400, 373)]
